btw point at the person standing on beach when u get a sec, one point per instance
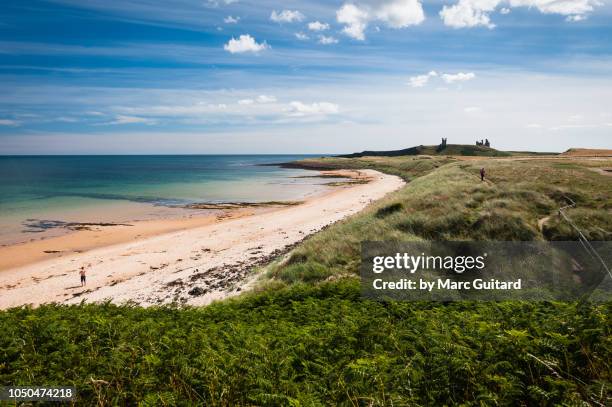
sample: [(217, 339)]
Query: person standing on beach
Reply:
[(482, 174), (83, 276)]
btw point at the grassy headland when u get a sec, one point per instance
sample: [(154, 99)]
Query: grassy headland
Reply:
[(307, 337), (446, 201), (448, 150)]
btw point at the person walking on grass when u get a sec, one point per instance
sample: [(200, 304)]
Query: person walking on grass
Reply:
[(83, 276), (482, 174)]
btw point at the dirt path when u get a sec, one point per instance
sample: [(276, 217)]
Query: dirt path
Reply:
[(603, 171)]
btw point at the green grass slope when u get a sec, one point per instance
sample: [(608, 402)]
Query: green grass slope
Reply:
[(307, 337), (450, 203)]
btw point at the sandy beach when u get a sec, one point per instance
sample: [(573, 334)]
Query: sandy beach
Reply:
[(190, 261)]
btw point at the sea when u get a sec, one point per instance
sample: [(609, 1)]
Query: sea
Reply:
[(38, 189)]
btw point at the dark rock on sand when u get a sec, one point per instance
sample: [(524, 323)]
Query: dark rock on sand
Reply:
[(197, 291)]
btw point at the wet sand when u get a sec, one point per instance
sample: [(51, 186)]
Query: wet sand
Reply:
[(92, 237)]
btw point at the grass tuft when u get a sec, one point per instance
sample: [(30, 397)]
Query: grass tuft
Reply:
[(389, 210)]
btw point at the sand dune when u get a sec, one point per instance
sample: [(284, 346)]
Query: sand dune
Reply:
[(193, 266)]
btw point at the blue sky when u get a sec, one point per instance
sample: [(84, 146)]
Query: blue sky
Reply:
[(235, 76)]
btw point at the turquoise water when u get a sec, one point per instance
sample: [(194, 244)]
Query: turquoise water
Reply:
[(44, 187)]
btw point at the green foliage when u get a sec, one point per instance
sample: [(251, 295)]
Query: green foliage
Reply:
[(595, 225), (309, 345)]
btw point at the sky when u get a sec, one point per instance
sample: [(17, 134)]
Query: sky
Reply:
[(293, 76)]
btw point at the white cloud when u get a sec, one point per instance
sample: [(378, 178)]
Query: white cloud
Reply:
[(245, 43), (327, 40), (231, 20), (533, 126), (301, 36), (266, 99), (458, 77), (472, 110), (217, 3), (355, 20), (27, 115), (469, 13), (121, 119), (563, 7), (473, 13), (297, 108), (8, 122), (318, 26), (394, 13), (258, 99), (400, 13), (66, 119), (286, 16), (421, 80), (206, 110)]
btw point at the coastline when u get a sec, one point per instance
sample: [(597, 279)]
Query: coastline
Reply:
[(194, 261), (59, 233)]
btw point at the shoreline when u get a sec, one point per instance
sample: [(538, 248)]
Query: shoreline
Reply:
[(81, 241), (131, 221), (203, 260)]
